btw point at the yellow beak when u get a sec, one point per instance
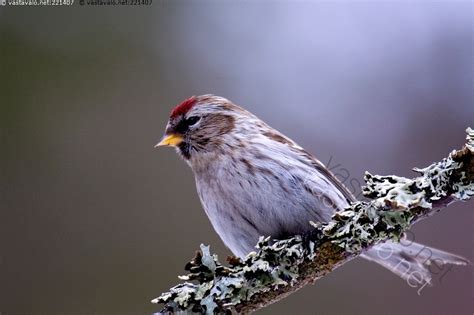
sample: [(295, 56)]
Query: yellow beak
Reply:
[(171, 140)]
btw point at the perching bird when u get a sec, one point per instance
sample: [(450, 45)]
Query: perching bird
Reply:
[(253, 181)]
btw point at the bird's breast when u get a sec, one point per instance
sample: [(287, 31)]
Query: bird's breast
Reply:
[(246, 198)]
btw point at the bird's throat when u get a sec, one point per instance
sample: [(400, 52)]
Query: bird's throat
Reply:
[(185, 150)]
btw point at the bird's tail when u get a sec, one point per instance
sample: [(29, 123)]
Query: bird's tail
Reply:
[(412, 261)]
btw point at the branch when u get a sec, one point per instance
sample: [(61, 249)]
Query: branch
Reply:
[(281, 268)]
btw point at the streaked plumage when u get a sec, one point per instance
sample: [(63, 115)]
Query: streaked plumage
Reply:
[(253, 181)]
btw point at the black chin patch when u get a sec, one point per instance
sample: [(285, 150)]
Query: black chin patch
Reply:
[(185, 150)]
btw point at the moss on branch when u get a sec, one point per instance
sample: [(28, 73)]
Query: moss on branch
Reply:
[(280, 268)]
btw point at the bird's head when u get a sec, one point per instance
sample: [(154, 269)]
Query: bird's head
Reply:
[(202, 127)]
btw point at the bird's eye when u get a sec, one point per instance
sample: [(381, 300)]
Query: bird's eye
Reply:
[(192, 120)]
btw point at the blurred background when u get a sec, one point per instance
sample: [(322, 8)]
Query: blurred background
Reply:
[(94, 220)]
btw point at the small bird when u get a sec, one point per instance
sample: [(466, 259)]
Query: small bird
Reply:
[(254, 181)]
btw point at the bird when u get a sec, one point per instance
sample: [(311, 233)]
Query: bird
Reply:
[(254, 181)]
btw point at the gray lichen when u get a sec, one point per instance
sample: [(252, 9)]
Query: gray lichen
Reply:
[(280, 268)]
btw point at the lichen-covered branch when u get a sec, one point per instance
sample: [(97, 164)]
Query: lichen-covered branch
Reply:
[(281, 268)]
